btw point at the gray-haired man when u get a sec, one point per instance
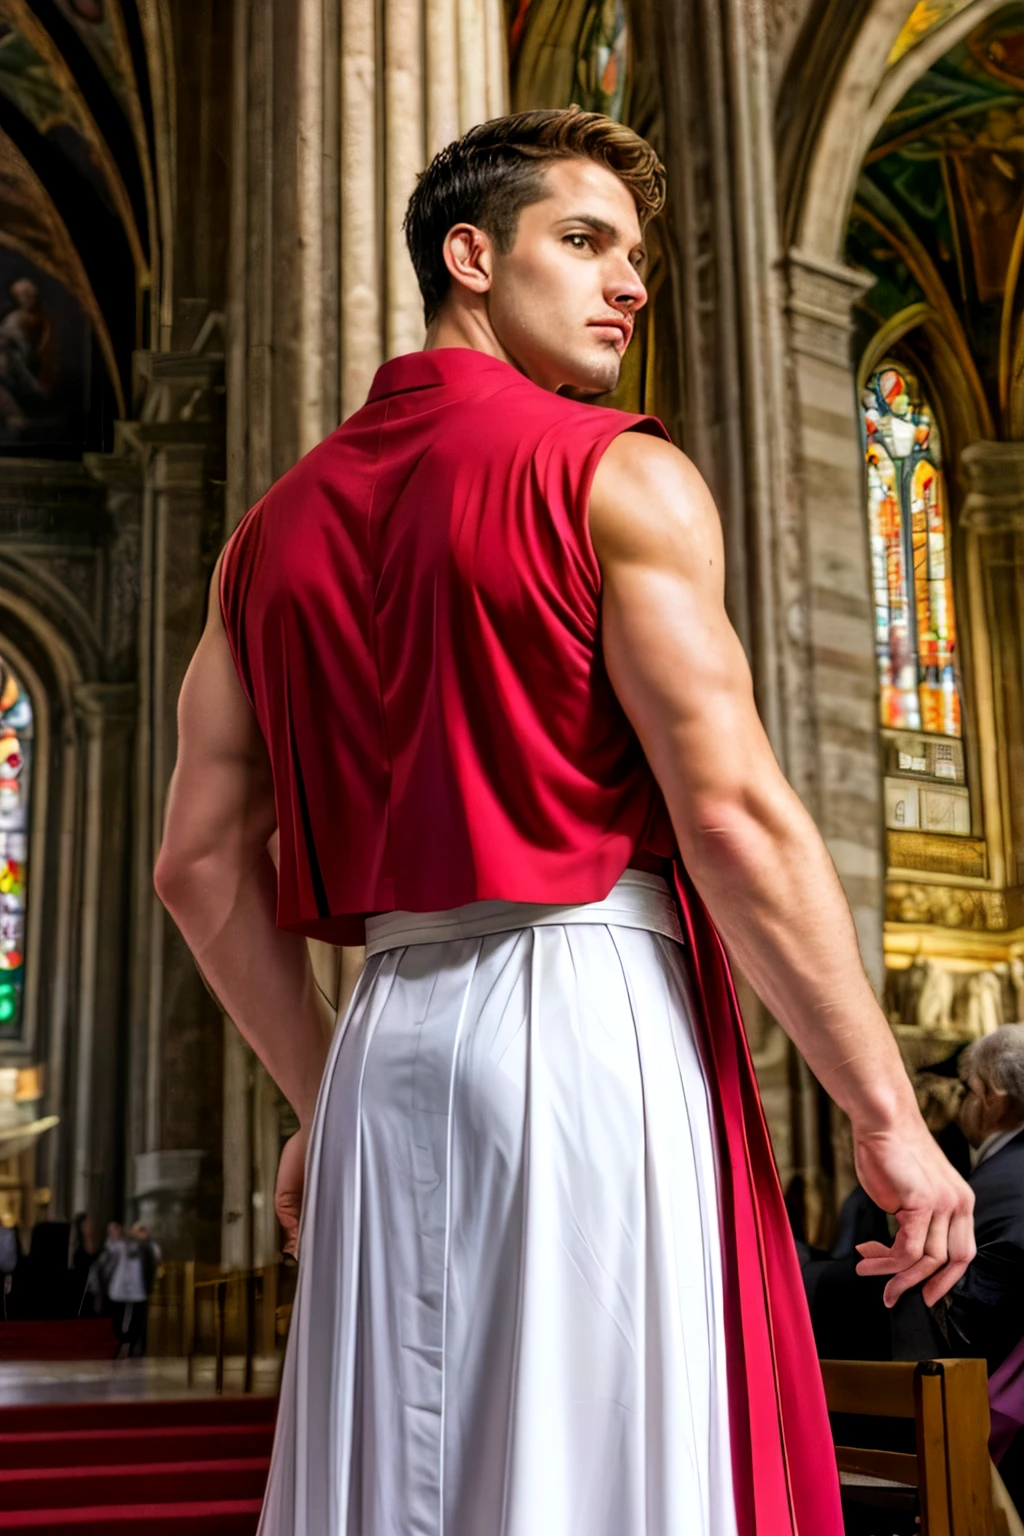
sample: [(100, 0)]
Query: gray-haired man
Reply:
[(985, 1306)]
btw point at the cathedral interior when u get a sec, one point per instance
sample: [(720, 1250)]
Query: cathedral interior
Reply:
[(201, 267)]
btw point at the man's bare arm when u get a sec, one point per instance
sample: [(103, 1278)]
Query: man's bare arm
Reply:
[(751, 848), (216, 877)]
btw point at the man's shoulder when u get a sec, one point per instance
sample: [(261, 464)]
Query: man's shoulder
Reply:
[(1004, 1168)]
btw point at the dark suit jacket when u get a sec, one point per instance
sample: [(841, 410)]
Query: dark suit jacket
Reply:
[(987, 1306)]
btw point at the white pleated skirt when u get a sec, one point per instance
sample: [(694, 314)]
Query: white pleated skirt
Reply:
[(509, 1316)]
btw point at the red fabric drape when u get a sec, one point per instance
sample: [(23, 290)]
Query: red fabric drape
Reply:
[(783, 1459)]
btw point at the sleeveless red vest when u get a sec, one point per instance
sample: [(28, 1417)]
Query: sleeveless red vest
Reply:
[(414, 615), (413, 611)]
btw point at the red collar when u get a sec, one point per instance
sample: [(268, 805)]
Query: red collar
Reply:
[(439, 365)]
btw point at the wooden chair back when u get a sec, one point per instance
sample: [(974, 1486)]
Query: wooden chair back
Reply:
[(948, 1402)]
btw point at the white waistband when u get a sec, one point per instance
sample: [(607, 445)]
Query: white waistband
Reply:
[(636, 900)]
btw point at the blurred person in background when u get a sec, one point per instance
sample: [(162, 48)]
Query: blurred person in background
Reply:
[(10, 1254), (82, 1258), (132, 1263), (986, 1307)]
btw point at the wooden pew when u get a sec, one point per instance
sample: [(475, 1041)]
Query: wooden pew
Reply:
[(951, 1469)]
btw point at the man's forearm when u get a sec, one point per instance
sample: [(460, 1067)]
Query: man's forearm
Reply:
[(261, 976), (771, 888)]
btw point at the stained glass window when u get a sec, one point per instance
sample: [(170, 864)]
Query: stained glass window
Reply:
[(15, 790), (915, 626), (924, 18), (602, 59)]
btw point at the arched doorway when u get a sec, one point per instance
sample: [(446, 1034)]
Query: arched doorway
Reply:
[(903, 195)]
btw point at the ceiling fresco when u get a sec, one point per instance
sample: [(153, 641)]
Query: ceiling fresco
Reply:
[(939, 214), (76, 218)]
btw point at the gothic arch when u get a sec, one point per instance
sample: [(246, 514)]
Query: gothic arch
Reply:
[(71, 1011), (823, 146), (844, 80)]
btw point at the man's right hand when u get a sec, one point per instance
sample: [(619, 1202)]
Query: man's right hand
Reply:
[(291, 1178), (905, 1173)]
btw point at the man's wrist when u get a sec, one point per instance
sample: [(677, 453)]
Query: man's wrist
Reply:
[(304, 1114), (884, 1111)]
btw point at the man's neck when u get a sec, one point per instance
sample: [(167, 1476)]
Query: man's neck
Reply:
[(471, 328), (994, 1142), (466, 330)]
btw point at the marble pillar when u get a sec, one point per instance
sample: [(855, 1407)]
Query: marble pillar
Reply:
[(842, 732), (106, 719), (338, 107), (175, 1057), (844, 681), (991, 534)]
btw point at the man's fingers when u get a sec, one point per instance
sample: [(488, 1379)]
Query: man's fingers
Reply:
[(962, 1249), (912, 1257), (936, 1253), (908, 1246), (288, 1216), (873, 1252)]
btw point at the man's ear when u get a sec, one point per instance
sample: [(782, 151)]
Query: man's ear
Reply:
[(995, 1098), (468, 255)]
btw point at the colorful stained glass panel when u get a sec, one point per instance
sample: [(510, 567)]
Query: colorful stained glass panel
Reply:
[(915, 628), (16, 740)]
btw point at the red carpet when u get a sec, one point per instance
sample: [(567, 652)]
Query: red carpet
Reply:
[(156, 1467), (76, 1338)]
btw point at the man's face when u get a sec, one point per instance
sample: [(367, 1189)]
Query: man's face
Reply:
[(25, 294), (561, 301), (984, 1111)]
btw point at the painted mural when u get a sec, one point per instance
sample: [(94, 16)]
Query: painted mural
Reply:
[(939, 211), (46, 362)]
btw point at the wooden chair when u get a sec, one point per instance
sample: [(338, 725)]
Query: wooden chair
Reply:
[(951, 1469)]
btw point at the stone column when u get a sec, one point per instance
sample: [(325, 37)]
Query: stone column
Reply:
[(414, 75), (844, 681), (176, 1060), (106, 716), (337, 109), (991, 531), (167, 1185), (842, 672)]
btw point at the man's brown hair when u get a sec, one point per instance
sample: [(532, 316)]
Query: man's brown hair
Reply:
[(495, 170)]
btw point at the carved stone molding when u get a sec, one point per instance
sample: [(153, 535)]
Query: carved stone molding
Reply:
[(963, 856), (946, 906), (821, 299)]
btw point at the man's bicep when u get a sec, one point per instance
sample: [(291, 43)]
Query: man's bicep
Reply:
[(672, 655), (222, 789)]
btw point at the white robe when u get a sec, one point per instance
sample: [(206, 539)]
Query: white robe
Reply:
[(509, 1315)]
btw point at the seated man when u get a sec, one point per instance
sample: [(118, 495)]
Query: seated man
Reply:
[(985, 1308), (983, 1314)]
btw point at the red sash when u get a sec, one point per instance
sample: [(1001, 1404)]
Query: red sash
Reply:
[(784, 1467)]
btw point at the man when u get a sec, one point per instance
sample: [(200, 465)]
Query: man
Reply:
[(132, 1263), (985, 1306), (472, 664)]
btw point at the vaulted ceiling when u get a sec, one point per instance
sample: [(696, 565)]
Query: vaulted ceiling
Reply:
[(76, 161), (939, 216)]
